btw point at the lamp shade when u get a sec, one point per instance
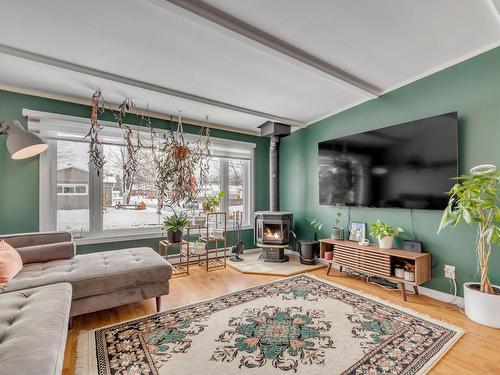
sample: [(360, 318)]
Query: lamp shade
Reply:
[(21, 143)]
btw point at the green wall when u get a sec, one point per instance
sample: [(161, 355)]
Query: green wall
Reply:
[(19, 178), (473, 89)]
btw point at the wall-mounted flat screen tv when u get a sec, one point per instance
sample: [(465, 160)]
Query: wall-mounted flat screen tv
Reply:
[(407, 166)]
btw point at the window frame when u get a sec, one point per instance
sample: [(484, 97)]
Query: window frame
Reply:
[(40, 121)]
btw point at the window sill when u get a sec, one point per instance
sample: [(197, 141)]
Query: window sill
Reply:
[(128, 236)]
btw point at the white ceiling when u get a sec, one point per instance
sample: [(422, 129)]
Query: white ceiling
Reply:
[(384, 43)]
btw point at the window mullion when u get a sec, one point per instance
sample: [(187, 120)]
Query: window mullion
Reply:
[(95, 200), (224, 184)]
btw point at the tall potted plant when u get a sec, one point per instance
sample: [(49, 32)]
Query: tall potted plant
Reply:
[(474, 200)]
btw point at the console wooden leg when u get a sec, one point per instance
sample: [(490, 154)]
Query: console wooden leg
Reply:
[(403, 291), (415, 289), (158, 304), (340, 269), (329, 268)]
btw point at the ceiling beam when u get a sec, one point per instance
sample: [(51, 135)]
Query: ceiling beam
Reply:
[(199, 11), (141, 84)]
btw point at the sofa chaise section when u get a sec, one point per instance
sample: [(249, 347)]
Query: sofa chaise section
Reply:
[(33, 329), (100, 280)]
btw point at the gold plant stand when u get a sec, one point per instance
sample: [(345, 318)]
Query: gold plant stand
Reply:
[(182, 267)]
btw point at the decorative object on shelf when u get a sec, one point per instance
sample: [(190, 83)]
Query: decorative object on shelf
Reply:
[(384, 233), (21, 144), (211, 204), (409, 272), (474, 199), (328, 255), (198, 247), (316, 225), (357, 231), (399, 271), (415, 246), (96, 156), (173, 225), (197, 220), (337, 231), (364, 242)]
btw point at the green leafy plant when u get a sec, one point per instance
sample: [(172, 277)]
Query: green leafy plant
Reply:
[(474, 199), (175, 222), (212, 203), (379, 229), (316, 225)]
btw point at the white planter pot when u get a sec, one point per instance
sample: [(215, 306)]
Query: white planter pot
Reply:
[(481, 307), (385, 242)]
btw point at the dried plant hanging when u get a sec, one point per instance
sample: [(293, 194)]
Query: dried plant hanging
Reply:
[(130, 161), (96, 156)]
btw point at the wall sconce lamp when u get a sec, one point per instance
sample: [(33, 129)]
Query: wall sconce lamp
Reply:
[(21, 143)]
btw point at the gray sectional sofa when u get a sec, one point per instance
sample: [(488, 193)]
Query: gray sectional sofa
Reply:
[(57, 282)]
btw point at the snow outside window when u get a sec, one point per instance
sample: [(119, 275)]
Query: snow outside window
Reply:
[(75, 199)]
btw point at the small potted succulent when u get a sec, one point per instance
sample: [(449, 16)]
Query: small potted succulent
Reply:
[(173, 225), (384, 233)]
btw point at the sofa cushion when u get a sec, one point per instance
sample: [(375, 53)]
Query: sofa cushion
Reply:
[(10, 263), (33, 328), (97, 273)]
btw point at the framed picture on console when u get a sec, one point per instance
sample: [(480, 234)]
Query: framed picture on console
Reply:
[(357, 231)]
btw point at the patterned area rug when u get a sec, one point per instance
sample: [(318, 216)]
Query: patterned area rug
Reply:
[(302, 325)]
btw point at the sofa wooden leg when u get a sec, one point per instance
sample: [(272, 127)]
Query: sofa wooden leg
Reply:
[(70, 323), (158, 304)]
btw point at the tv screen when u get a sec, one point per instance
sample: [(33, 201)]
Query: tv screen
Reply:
[(407, 166)]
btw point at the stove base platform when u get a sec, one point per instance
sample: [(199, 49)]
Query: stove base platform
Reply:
[(273, 255)]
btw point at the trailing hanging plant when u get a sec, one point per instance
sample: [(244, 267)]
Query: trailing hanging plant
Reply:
[(474, 199), (180, 164), (96, 157)]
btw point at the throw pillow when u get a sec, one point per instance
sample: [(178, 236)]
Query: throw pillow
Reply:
[(10, 263)]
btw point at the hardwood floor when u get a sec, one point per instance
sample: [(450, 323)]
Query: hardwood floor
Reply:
[(477, 352)]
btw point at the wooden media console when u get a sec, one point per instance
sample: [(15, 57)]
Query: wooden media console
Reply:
[(374, 261)]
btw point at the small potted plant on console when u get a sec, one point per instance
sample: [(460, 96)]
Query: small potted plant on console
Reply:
[(384, 233), (474, 199), (337, 230)]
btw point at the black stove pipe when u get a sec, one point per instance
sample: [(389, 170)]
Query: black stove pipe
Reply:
[(274, 130), (274, 170)]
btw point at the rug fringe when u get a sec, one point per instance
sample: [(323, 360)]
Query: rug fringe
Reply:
[(82, 353)]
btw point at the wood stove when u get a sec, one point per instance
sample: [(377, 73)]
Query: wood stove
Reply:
[(273, 234)]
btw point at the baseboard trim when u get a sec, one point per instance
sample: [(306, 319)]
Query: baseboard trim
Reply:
[(432, 293)]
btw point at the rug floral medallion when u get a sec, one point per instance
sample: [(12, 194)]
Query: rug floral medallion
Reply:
[(302, 325)]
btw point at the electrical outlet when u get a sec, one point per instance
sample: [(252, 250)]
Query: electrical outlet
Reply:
[(449, 271)]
